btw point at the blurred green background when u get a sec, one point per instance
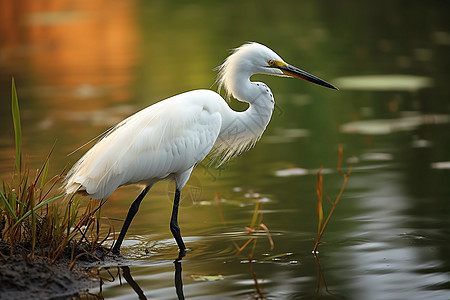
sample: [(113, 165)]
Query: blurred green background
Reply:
[(82, 66)]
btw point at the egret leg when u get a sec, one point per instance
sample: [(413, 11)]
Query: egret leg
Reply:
[(174, 228), (131, 213)]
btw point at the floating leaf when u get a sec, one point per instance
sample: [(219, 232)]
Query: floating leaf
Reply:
[(286, 135), (392, 82), (388, 126), (377, 156), (441, 165), (207, 277), (291, 172), (277, 256)]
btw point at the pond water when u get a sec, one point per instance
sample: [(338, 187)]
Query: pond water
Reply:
[(82, 67)]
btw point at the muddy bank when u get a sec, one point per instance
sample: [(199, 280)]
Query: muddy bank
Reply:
[(39, 279), (25, 278)]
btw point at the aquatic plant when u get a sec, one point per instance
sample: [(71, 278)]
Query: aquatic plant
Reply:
[(31, 219), (256, 226), (321, 194)]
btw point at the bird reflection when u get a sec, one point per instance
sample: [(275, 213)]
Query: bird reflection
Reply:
[(126, 272), (127, 276), (178, 279)]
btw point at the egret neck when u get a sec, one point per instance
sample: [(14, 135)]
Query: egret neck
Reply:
[(241, 130)]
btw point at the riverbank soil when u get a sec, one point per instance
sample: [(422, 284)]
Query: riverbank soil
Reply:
[(39, 278)]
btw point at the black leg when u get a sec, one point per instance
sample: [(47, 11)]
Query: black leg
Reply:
[(174, 224), (131, 213)]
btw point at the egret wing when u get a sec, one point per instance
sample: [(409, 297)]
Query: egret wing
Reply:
[(160, 141)]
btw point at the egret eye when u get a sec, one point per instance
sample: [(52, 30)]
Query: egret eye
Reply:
[(271, 62)]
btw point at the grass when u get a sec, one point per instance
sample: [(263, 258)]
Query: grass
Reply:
[(321, 194), (256, 226), (37, 219)]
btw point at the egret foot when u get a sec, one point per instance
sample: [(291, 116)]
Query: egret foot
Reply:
[(115, 251)]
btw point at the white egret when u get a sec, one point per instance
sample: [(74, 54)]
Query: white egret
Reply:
[(168, 139)]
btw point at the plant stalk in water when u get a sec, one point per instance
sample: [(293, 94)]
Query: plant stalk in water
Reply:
[(320, 193)]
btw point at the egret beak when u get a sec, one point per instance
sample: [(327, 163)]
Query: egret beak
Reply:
[(297, 73)]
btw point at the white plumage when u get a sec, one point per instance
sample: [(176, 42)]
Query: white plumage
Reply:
[(168, 139), (163, 140)]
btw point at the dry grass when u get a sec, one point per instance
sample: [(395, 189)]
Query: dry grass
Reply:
[(321, 194), (36, 220)]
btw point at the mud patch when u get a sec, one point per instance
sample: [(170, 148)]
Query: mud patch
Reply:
[(39, 278)]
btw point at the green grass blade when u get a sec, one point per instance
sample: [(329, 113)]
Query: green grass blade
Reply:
[(13, 202), (44, 170), (17, 127), (22, 197), (8, 206), (255, 215), (39, 206)]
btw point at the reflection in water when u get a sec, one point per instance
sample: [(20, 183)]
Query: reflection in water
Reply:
[(259, 292), (178, 279), (127, 275), (82, 51), (72, 63), (321, 281), (389, 241)]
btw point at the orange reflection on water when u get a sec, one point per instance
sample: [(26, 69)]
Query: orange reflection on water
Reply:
[(72, 50)]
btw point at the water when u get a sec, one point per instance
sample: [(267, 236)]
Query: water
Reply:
[(81, 68)]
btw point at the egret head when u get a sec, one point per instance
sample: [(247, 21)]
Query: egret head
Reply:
[(253, 58)]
